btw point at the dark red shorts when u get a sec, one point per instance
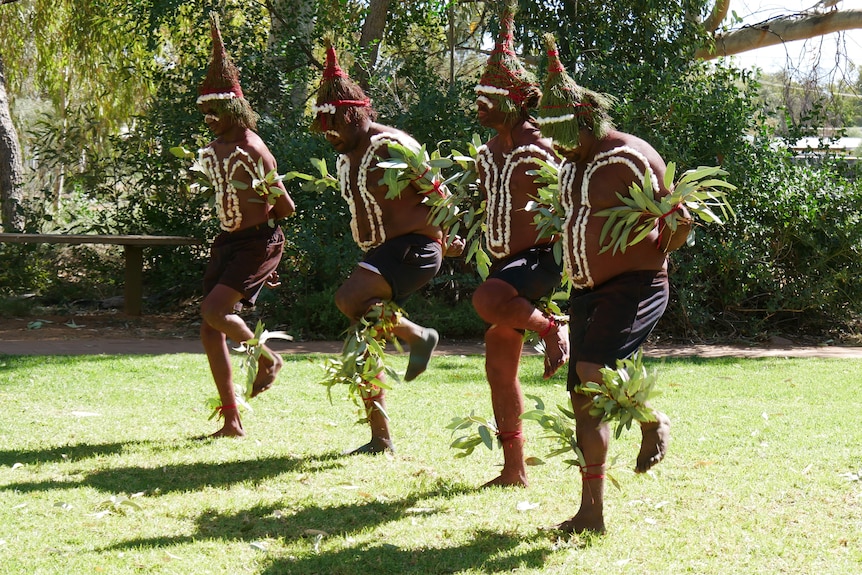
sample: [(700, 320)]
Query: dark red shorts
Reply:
[(407, 263), (242, 260), (613, 320), (533, 272)]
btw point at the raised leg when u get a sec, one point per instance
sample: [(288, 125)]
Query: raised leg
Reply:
[(655, 437)]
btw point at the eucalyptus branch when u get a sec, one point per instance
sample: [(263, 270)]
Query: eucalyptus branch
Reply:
[(251, 350), (623, 393), (561, 431), (697, 190), (201, 185), (548, 213), (316, 184), (485, 434), (266, 184), (362, 364), (449, 186)]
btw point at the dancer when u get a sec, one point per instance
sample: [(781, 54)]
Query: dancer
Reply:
[(523, 269), (245, 255), (403, 251), (619, 297)]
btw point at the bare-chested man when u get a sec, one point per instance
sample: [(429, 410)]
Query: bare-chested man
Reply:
[(523, 269), (617, 298), (403, 251), (245, 256)]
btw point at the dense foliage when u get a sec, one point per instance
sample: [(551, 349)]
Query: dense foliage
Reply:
[(784, 266)]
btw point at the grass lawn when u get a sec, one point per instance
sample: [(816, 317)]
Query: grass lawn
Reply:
[(99, 474)]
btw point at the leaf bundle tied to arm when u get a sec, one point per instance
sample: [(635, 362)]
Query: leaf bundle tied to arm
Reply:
[(448, 184), (702, 192)]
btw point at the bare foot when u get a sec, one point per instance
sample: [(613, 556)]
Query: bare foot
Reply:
[(373, 447), (229, 430), (420, 353), (505, 480), (556, 349), (654, 442), (267, 371), (578, 525)]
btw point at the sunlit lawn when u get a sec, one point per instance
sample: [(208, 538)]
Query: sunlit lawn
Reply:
[(99, 474)]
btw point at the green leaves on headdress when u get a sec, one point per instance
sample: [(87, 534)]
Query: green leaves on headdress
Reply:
[(505, 81), (566, 107)]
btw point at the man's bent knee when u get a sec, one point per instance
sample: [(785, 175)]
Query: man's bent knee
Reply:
[(491, 297)]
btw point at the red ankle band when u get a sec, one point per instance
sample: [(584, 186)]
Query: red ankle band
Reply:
[(552, 323), (509, 435), (226, 407), (590, 476)]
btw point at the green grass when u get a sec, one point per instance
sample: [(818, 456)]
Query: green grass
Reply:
[(754, 481)]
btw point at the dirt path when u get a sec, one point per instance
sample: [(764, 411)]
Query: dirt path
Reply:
[(114, 333)]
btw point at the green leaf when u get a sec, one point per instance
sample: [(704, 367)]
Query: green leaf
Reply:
[(485, 434), (182, 153)]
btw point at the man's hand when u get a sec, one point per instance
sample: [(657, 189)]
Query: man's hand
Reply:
[(455, 248), (272, 281)]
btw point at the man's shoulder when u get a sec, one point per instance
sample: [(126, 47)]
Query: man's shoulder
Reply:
[(622, 142), (249, 142), (387, 134)]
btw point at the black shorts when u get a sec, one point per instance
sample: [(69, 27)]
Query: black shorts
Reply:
[(534, 272), (407, 263), (613, 320), (244, 259)]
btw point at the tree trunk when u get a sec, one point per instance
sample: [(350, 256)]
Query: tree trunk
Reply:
[(780, 30), (369, 41), (292, 19), (11, 168)]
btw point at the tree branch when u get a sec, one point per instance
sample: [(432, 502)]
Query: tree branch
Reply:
[(800, 26), (715, 18)]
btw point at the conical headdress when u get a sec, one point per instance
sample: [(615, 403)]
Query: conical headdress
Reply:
[(220, 88), (337, 94), (566, 107), (222, 79), (505, 81)]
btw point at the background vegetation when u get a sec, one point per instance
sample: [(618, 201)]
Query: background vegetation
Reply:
[(97, 157)]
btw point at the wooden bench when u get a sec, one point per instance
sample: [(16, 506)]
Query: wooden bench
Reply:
[(133, 248)]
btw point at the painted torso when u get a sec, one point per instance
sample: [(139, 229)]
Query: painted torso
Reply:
[(222, 174), (508, 188), (587, 188), (373, 217)]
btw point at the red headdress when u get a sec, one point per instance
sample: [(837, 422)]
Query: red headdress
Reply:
[(222, 79), (505, 81), (337, 91)]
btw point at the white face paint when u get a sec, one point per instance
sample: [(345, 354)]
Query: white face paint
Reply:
[(486, 101)]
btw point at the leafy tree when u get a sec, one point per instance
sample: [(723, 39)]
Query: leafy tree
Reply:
[(421, 67)]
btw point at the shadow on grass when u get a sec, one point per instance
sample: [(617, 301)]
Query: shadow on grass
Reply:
[(486, 552), (66, 452), (493, 552), (173, 478)]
